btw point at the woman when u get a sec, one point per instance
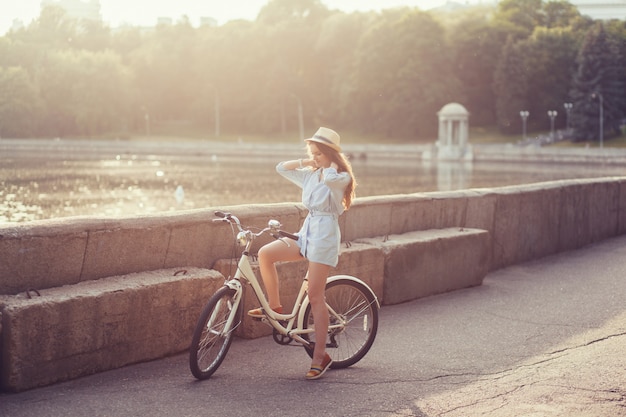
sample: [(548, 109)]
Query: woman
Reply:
[(328, 185)]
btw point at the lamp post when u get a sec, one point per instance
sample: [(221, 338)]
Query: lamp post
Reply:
[(216, 109), (146, 117), (601, 103), (300, 117), (217, 114), (524, 115), (568, 109), (552, 115)]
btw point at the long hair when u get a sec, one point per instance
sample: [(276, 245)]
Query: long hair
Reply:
[(343, 165)]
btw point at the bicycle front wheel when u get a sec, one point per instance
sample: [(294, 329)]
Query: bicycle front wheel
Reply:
[(355, 319), (211, 340)]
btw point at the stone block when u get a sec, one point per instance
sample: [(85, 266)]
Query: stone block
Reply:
[(365, 262), (448, 209), (423, 263), (481, 206), (573, 217), (526, 223), (124, 250), (621, 230), (411, 212), (604, 197), (196, 240), (41, 261), (357, 222), (93, 326), (538, 233)]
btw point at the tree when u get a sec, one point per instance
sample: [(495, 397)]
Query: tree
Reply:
[(292, 72), (520, 17), (560, 14), (54, 76), (476, 46), (598, 85), (510, 86), (385, 73), (94, 36), (404, 76), (617, 31), (336, 81), (165, 76), (85, 93), (549, 59), (53, 29), (99, 93), (19, 103)]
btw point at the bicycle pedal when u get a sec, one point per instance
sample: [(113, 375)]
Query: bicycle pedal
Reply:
[(263, 320)]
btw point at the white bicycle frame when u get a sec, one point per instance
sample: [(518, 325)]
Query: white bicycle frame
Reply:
[(245, 272)]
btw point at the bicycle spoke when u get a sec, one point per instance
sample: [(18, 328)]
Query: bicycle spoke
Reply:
[(353, 321)]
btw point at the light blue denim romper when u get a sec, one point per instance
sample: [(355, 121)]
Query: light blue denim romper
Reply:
[(322, 194)]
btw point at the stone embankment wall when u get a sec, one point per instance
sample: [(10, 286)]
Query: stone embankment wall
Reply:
[(525, 222), (118, 291)]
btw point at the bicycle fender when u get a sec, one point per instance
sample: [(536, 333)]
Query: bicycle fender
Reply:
[(233, 284), (355, 279)]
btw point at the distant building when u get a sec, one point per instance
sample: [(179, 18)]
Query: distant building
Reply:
[(601, 9), (17, 25), (208, 21), (451, 6), (77, 9), (596, 9), (167, 21)]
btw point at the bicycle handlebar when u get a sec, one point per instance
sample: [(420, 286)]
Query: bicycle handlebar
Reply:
[(282, 233), (273, 226)]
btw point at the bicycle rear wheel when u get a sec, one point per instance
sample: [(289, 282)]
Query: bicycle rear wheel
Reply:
[(356, 306), (210, 343)]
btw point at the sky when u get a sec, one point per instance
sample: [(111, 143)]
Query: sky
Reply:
[(146, 12)]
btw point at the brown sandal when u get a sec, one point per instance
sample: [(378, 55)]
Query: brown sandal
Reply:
[(317, 371), (259, 312)]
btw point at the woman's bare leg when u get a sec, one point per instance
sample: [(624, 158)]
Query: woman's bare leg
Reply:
[(269, 254), (318, 273)]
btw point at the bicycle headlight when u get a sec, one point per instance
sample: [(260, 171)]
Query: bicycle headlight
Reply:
[(274, 224), (242, 238)]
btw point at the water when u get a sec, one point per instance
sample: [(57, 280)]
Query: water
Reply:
[(45, 181)]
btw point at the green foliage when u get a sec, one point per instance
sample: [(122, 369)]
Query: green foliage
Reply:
[(476, 46), (385, 74), (536, 76), (520, 17), (399, 89), (559, 14), (19, 104), (598, 86), (551, 59), (511, 85)]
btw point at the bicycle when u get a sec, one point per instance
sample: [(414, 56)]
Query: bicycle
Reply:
[(352, 305)]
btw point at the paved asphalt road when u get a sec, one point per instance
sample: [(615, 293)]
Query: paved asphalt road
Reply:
[(546, 338)]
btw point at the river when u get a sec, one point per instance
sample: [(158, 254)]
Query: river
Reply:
[(52, 179)]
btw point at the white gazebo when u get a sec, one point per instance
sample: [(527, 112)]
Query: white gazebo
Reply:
[(452, 142)]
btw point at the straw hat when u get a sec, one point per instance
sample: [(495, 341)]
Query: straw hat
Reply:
[(327, 137)]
